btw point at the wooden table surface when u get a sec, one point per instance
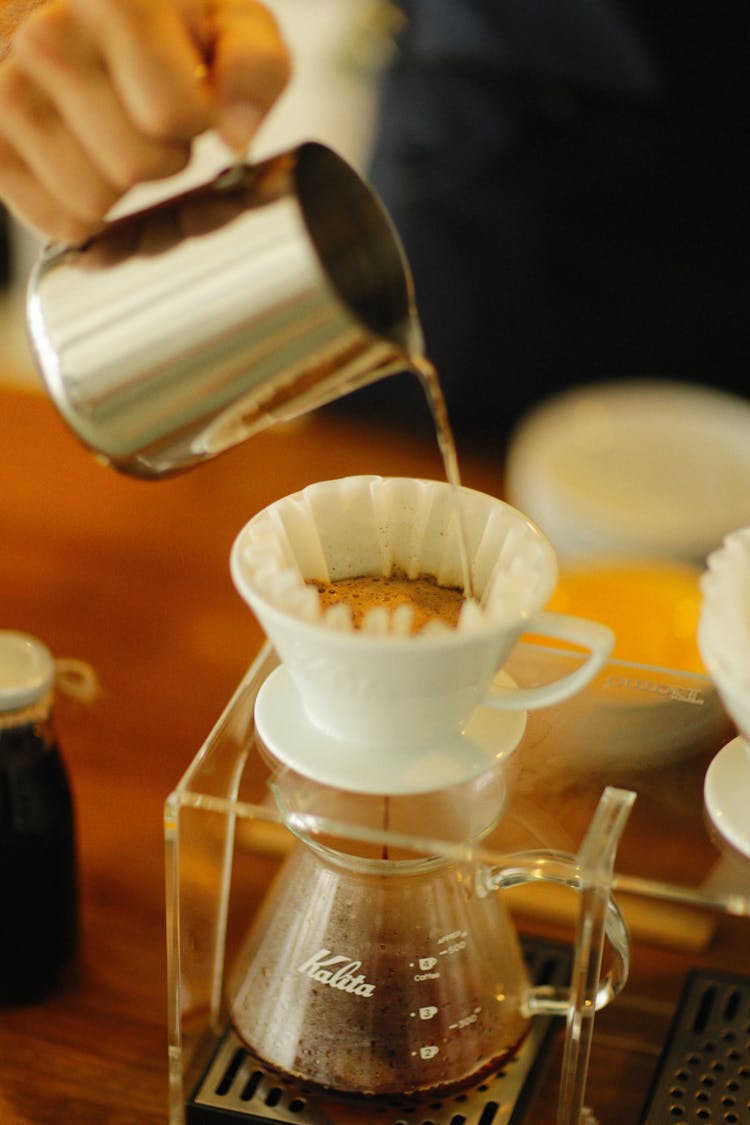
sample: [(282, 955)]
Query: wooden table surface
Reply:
[(132, 577)]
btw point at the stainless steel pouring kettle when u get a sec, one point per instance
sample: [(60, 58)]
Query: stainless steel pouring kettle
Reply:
[(183, 328)]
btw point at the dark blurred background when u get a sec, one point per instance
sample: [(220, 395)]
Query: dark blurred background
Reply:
[(570, 180)]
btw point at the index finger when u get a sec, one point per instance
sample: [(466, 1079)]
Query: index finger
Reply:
[(152, 54), (250, 66)]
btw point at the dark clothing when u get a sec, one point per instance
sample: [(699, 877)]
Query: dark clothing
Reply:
[(5, 263), (569, 181)]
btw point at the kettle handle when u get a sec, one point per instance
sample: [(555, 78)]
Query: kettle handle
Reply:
[(563, 870)]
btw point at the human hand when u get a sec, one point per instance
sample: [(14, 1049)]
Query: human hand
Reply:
[(97, 96)]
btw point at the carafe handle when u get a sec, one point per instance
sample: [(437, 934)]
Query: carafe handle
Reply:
[(563, 870), (598, 641)]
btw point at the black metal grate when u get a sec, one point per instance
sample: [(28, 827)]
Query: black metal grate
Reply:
[(703, 1075), (236, 1087)]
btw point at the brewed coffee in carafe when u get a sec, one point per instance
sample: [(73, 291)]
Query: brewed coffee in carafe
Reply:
[(376, 972)]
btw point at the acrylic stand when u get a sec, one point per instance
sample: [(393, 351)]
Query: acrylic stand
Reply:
[(225, 838)]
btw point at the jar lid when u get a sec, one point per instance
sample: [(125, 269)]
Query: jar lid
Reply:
[(27, 670)]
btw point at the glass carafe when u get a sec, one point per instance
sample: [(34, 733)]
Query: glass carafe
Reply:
[(376, 971)]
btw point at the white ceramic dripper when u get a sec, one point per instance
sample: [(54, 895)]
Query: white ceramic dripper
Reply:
[(724, 627), (382, 710), (724, 641)]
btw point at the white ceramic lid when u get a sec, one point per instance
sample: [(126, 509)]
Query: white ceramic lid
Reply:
[(27, 670), (634, 468), (286, 731)]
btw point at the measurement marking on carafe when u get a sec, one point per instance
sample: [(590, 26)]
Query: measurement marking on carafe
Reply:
[(427, 1052), (465, 1021), (457, 940), (426, 966)]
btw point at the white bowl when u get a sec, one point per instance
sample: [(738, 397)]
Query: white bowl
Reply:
[(642, 468)]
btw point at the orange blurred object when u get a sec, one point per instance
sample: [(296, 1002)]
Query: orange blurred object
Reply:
[(652, 607)]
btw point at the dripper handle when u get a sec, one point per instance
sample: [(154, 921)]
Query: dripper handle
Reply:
[(597, 639)]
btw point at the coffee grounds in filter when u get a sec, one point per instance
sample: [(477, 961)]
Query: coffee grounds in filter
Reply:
[(422, 597)]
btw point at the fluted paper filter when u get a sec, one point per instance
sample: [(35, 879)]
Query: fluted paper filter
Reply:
[(377, 526), (724, 630)]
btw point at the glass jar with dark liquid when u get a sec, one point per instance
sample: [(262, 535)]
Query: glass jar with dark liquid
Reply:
[(38, 923)]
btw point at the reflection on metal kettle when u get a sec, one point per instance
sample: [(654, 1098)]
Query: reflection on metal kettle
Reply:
[(186, 327)]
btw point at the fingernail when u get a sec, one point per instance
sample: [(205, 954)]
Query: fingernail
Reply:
[(238, 123)]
